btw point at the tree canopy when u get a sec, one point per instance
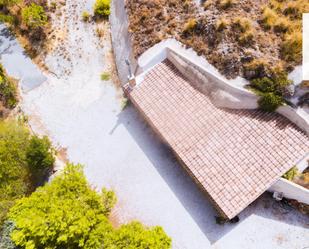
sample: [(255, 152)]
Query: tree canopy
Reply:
[(19, 160), (67, 213)]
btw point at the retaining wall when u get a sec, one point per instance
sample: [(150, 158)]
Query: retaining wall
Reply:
[(121, 40)]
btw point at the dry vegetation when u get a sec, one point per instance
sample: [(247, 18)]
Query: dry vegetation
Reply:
[(229, 33), (260, 40)]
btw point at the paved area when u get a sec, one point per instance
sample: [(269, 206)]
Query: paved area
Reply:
[(234, 155), (83, 114)]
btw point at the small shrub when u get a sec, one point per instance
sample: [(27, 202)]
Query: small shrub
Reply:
[(282, 25), (246, 38), (221, 24), (264, 84), (293, 9), (291, 48), (269, 102), (102, 8), (269, 18), (34, 16), (86, 16), (105, 76), (242, 24), (291, 173), (257, 68), (8, 92), (225, 4), (190, 25)]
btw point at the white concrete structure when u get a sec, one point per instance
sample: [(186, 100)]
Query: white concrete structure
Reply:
[(306, 47), (290, 190)]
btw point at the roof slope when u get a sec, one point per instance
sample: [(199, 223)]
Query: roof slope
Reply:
[(234, 155)]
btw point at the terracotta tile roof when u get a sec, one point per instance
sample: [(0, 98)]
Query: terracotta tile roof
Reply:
[(234, 155)]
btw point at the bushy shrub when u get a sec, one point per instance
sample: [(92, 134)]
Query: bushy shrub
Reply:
[(8, 90), (242, 24), (291, 48), (221, 24), (138, 236), (190, 25), (269, 102), (269, 18), (264, 84), (102, 8), (40, 158), (34, 16), (291, 173)]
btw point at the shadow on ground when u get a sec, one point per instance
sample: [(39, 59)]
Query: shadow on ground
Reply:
[(192, 199)]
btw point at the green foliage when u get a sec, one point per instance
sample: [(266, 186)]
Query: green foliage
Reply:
[(9, 2), (22, 157), (34, 16), (6, 18), (105, 76), (291, 174), (269, 101), (264, 84), (40, 158), (108, 199), (67, 213), (135, 235), (8, 90), (5, 238), (102, 8), (14, 176)]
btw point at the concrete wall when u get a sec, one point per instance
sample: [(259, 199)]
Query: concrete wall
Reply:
[(306, 46), (121, 40), (291, 190)]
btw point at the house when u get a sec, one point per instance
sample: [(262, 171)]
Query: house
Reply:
[(233, 155)]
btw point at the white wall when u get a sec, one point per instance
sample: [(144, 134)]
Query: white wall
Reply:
[(291, 190), (306, 46)]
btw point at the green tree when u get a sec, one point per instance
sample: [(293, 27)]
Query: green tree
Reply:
[(65, 213), (102, 8), (40, 158), (34, 16), (14, 175), (22, 157)]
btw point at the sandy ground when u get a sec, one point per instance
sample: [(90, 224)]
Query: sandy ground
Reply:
[(83, 114)]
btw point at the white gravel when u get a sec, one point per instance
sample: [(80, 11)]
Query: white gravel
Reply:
[(83, 114)]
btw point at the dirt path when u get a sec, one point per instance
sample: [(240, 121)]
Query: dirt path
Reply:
[(82, 113)]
